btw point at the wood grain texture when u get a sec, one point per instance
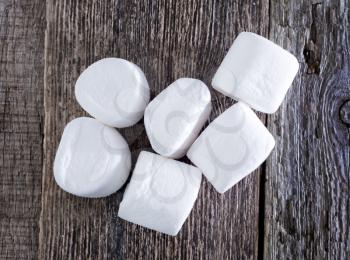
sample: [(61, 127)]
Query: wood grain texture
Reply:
[(307, 187), (308, 174), (168, 40), (22, 28)]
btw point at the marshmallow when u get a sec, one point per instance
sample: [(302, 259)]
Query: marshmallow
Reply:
[(231, 147), (174, 118), (114, 91), (92, 160), (161, 193), (257, 72)]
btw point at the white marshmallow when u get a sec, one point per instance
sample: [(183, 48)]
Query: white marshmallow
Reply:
[(161, 193), (174, 118), (231, 147), (114, 91), (92, 160), (257, 72)]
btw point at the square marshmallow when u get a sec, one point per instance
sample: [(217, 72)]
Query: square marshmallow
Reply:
[(231, 147), (174, 118), (256, 71), (161, 193)]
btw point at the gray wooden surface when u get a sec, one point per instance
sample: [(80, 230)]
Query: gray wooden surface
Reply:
[(295, 206), (307, 184), (22, 27)]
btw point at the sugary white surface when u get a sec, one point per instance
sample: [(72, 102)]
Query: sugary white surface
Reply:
[(231, 147), (114, 91), (92, 160), (161, 193), (257, 72), (174, 118)]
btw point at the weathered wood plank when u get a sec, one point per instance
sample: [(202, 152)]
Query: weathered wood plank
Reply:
[(308, 174), (22, 29), (167, 39)]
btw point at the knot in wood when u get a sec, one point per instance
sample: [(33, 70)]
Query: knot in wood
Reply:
[(344, 113)]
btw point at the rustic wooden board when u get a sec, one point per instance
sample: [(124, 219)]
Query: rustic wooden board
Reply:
[(308, 175), (168, 40), (304, 210), (21, 114)]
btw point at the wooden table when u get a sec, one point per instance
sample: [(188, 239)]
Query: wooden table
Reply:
[(296, 206)]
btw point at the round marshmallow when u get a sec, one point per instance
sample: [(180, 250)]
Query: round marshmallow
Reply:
[(92, 160), (114, 91)]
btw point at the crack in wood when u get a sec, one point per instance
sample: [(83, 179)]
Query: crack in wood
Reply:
[(311, 52)]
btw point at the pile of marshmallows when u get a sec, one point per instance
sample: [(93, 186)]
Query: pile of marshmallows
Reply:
[(93, 159)]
